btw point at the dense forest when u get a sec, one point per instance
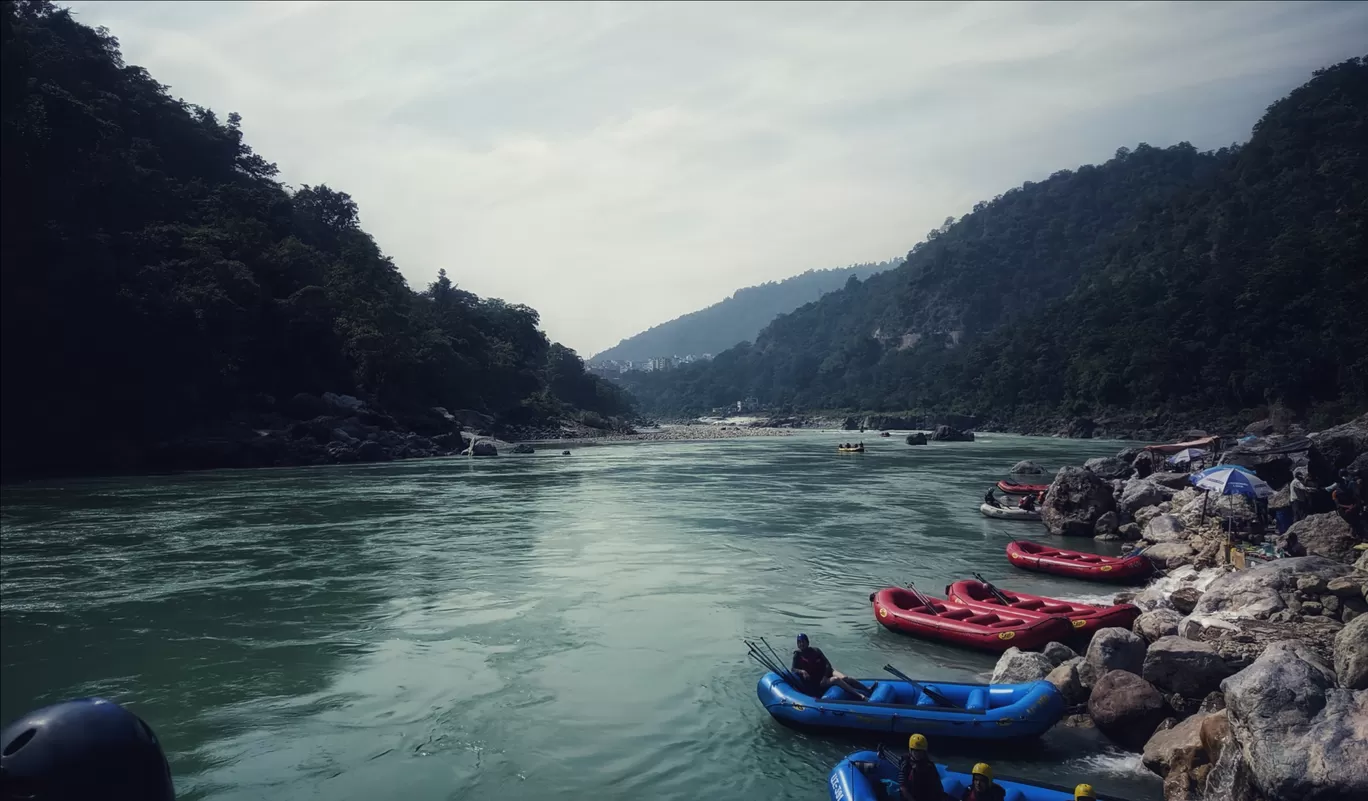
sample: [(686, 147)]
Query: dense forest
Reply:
[(1165, 284), (738, 318), (160, 282)]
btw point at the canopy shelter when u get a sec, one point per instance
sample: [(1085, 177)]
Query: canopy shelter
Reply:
[(1204, 442), (1188, 456)]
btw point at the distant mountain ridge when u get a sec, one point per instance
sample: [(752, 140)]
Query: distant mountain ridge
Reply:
[(738, 318)]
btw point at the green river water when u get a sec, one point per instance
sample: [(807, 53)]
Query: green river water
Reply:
[(535, 627)]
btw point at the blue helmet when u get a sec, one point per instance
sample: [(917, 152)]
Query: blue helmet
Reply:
[(89, 748)]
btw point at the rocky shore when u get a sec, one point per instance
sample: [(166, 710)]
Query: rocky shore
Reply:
[(1235, 683)]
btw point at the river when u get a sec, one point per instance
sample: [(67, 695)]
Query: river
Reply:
[(530, 627)]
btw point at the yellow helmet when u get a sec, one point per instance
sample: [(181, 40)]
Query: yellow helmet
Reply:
[(1085, 792), (984, 770), (917, 742)]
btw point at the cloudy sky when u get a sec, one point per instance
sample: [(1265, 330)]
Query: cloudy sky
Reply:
[(617, 165)]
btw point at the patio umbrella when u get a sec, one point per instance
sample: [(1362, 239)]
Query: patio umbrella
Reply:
[(1225, 479), (1187, 456)]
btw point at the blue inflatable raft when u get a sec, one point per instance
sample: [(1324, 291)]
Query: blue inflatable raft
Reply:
[(863, 776), (980, 711)]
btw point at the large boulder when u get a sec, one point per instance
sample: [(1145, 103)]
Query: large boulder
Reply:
[(484, 448), (1164, 528), (1237, 508), (1126, 708), (1175, 745), (523, 448), (1141, 493), (1156, 623), (1109, 468), (1058, 653), (1336, 448), (1077, 498), (1080, 428), (1351, 654), (1065, 678), (1027, 467), (1170, 554), (917, 438), (1016, 666), (1190, 669), (1257, 592), (1113, 649), (1107, 527), (1185, 599), (1321, 535), (1174, 481), (1302, 739), (948, 434)]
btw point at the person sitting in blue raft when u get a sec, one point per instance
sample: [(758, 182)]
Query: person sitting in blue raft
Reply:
[(89, 749), (812, 667)]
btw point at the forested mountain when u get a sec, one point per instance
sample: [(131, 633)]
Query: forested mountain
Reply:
[(158, 280), (1163, 283), (737, 318)]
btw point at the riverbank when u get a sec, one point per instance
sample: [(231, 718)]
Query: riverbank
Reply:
[(1245, 678)]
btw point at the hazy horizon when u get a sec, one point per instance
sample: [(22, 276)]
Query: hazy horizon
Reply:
[(618, 165)]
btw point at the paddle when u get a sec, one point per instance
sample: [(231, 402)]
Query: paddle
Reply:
[(994, 590), (770, 664), (926, 602), (934, 694)]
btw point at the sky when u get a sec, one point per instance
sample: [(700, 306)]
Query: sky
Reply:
[(616, 165)]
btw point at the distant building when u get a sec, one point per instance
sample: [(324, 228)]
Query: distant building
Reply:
[(661, 363)]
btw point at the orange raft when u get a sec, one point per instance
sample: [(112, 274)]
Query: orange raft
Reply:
[(1076, 564), (899, 610), (1085, 618)]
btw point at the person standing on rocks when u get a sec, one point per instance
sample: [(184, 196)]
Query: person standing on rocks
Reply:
[(1348, 504), (1301, 494)]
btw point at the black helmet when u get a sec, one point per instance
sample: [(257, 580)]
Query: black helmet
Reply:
[(89, 749)]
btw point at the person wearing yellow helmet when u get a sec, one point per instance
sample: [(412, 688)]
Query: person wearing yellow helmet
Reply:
[(1085, 792), (918, 779), (983, 787)]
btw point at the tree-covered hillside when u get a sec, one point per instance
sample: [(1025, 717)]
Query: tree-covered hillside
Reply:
[(738, 318), (159, 281), (1164, 282)]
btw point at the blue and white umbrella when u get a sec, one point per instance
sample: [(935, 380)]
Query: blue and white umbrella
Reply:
[(1226, 479), (1187, 456)]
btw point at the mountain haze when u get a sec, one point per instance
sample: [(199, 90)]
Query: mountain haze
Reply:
[(1164, 283), (737, 318)]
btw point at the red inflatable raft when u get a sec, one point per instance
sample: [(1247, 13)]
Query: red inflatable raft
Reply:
[(990, 630), (1076, 564), (1021, 489), (1085, 618)]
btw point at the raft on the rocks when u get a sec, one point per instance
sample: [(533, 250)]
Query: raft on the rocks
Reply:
[(997, 630), (979, 711), (864, 775), (1013, 488), (1008, 512), (1085, 618), (1077, 564)]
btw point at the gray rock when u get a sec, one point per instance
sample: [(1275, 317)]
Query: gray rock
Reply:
[(1343, 587), (1106, 526), (1128, 532), (1126, 708), (1258, 591), (1175, 745), (1018, 667), (1058, 653), (484, 448), (1336, 448), (523, 447), (1311, 584), (1351, 655), (1157, 623), (918, 438), (1321, 535), (948, 434), (1301, 738), (1190, 669), (1028, 467), (1109, 467), (1185, 599), (1164, 528), (1174, 481), (1112, 649), (1077, 498), (1170, 554), (1143, 516), (1141, 493), (1330, 605), (1065, 678)]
